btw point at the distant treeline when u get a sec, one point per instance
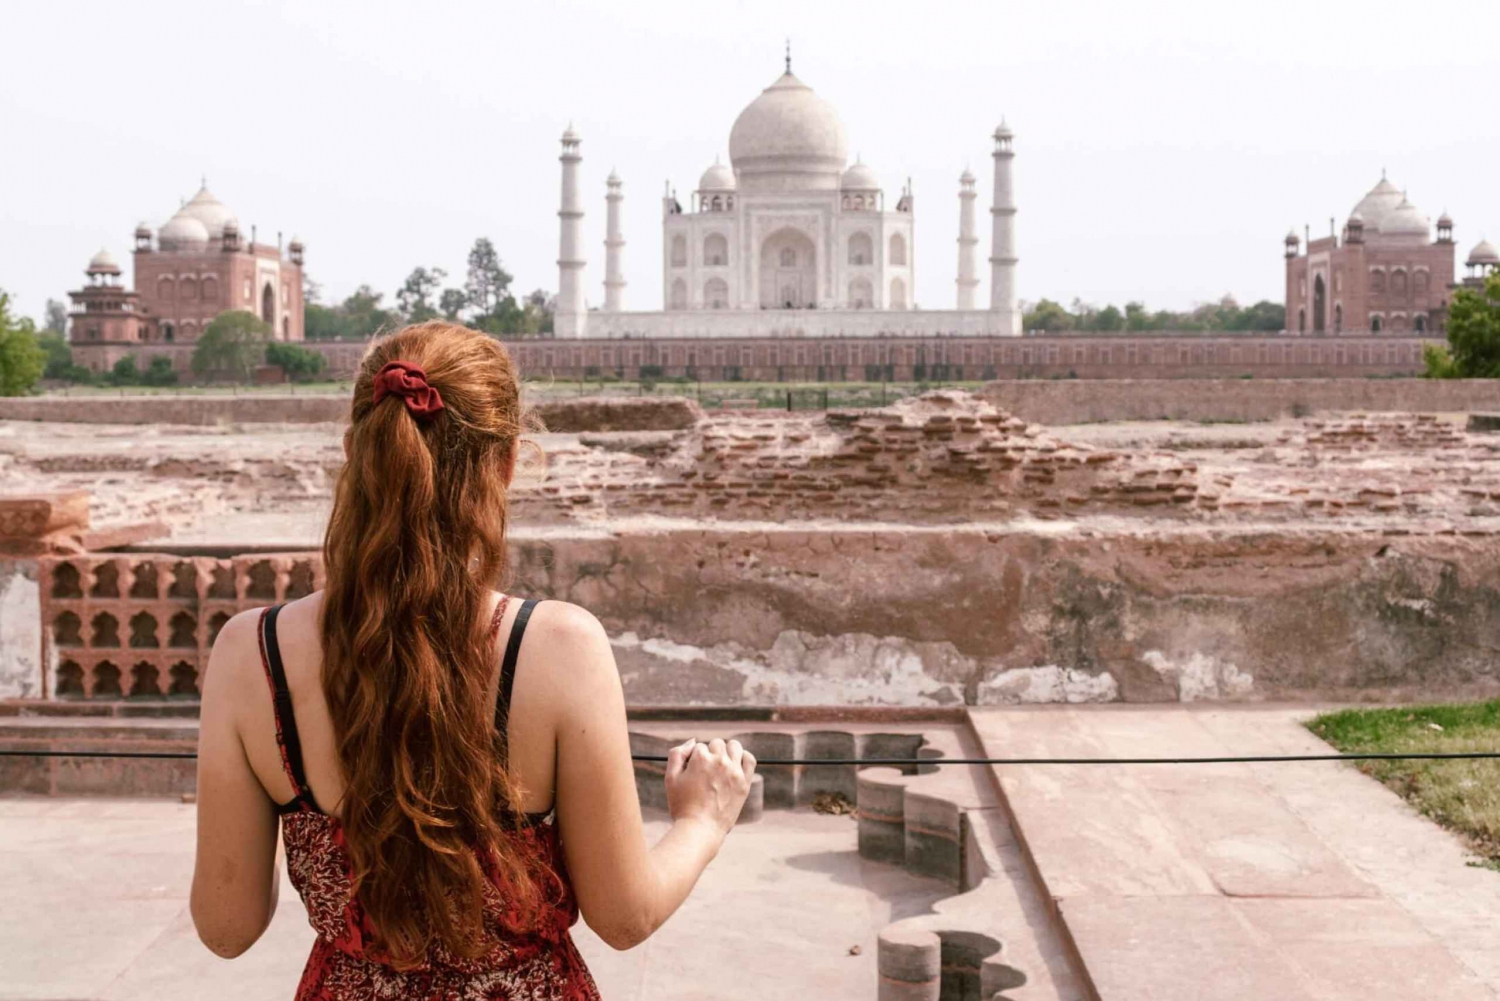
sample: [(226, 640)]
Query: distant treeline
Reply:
[(1226, 314)]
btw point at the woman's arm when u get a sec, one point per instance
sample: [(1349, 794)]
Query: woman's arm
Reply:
[(234, 876), (626, 890)]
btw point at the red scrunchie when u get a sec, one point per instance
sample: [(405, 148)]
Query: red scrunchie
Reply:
[(408, 381)]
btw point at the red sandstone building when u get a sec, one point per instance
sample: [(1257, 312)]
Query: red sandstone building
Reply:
[(198, 266), (1385, 274)]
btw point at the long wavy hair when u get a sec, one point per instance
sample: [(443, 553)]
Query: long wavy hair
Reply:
[(415, 542)]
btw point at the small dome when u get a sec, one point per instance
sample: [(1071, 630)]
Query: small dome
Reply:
[(570, 135), (1405, 220), (1380, 202), (211, 212), (1292, 237), (788, 130), (1445, 221), (1355, 219), (142, 230), (103, 264), (182, 231), (231, 226), (1484, 252), (613, 180), (717, 178), (967, 177), (860, 178), (1002, 131), (296, 243)]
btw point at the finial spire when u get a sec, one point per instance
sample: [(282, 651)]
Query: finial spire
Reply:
[(789, 54)]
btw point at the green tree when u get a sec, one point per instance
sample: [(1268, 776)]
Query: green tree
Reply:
[(125, 372), (453, 302), (1048, 315), (22, 359), (1438, 361), (1474, 330), (59, 355), (231, 345), (299, 363), (1108, 318), (57, 318), (415, 297), (320, 323), (488, 282), (363, 315), (1136, 317), (159, 372)]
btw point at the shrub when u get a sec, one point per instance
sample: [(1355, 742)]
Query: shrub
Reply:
[(300, 364), (159, 372)]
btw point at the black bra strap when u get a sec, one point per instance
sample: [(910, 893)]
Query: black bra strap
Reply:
[(282, 700), (508, 665)]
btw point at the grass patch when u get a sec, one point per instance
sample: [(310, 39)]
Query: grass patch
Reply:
[(1463, 796)]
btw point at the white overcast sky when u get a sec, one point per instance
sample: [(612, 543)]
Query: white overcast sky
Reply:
[(1163, 148)]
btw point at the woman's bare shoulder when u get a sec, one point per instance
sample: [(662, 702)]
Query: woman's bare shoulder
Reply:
[(571, 645)]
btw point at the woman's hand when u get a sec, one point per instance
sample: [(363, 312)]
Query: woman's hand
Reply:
[(708, 782)]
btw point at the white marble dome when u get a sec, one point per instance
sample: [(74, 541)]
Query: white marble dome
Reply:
[(182, 231), (1484, 252), (1380, 202), (103, 263), (860, 178), (211, 212), (790, 131), (717, 177), (1405, 220)]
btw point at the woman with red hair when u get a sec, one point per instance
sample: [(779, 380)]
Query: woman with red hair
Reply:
[(450, 797)]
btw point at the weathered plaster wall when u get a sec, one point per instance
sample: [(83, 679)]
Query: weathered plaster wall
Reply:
[(1081, 401), (20, 630), (990, 615)]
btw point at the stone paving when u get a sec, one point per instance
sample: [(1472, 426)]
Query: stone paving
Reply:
[(96, 908), (1305, 881)]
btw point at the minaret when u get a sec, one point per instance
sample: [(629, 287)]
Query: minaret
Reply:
[(1003, 235), (571, 316), (967, 241), (614, 243)]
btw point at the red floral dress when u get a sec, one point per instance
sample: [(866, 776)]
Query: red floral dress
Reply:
[(542, 964)]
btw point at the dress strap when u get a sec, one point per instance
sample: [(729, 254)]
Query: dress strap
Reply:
[(508, 665), (281, 706)]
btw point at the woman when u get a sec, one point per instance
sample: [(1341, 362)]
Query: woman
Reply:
[(450, 797)]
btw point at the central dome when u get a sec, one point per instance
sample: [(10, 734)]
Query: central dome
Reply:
[(211, 212), (788, 130), (1380, 202)]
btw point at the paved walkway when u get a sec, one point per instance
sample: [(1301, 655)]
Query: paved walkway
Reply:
[(95, 907), (1302, 882)]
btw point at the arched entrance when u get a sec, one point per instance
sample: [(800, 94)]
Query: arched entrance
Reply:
[(788, 271), (268, 305), (1320, 306)]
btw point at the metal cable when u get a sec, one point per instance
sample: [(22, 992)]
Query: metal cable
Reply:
[(1245, 759)]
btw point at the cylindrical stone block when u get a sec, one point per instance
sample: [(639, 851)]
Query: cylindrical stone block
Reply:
[(910, 965), (818, 779), (881, 814)]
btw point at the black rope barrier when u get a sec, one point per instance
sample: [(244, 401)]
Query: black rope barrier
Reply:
[(1245, 759)]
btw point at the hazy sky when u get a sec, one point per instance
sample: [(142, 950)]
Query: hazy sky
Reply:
[(1163, 149)]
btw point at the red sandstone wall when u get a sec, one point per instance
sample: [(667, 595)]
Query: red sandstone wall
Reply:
[(1076, 401), (730, 615)]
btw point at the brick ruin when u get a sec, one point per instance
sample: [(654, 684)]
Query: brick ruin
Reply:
[(936, 552)]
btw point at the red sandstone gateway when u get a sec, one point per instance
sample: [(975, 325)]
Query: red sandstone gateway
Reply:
[(450, 803)]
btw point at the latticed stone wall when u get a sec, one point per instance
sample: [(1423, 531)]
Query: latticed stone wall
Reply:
[(142, 625)]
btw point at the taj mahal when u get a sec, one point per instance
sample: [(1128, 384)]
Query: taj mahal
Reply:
[(787, 239)]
